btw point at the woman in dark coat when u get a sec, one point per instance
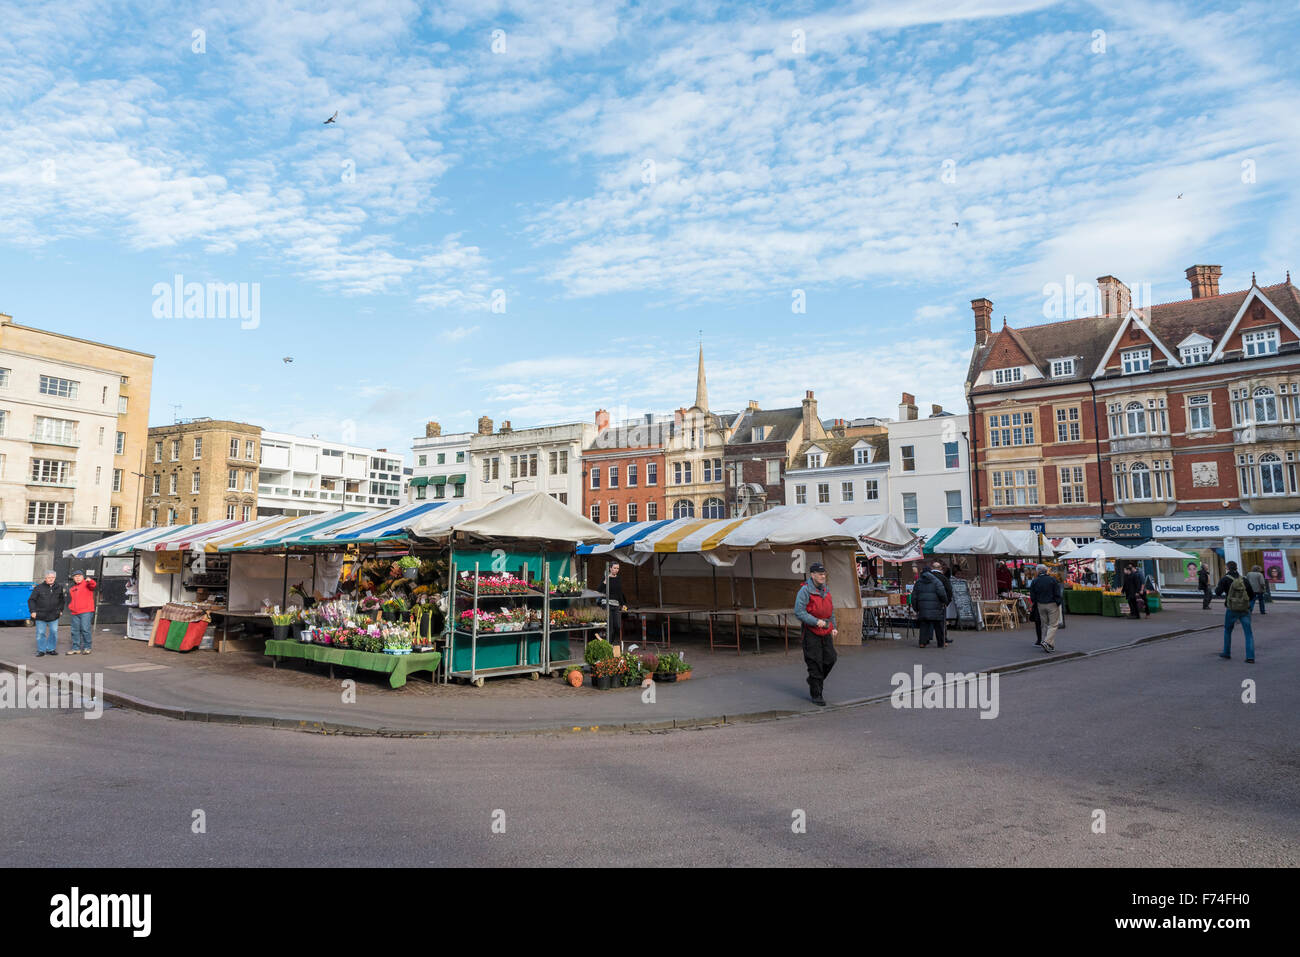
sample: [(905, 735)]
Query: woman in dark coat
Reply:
[(930, 597)]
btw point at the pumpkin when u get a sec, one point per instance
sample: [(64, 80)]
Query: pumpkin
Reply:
[(575, 678)]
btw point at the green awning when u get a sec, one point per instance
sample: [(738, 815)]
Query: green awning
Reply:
[(456, 479), (437, 480), (938, 537), (420, 481)]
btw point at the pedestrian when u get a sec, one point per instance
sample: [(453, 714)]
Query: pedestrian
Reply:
[(1149, 587), (1237, 595), (815, 609), (1037, 619), (1132, 587), (1047, 595), (81, 609), (46, 603), (930, 597), (614, 605), (1003, 574), (1259, 585), (1203, 583)]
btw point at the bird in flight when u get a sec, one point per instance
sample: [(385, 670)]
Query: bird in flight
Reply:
[(288, 359), (1180, 195), (331, 119), (956, 224)]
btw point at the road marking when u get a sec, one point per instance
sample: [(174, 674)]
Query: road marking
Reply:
[(140, 666)]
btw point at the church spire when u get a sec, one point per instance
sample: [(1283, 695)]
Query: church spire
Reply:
[(701, 387)]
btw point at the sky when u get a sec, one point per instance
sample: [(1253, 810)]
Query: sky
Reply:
[(533, 210)]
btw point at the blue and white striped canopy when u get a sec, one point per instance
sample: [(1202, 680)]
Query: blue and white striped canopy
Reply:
[(374, 527), (625, 535)]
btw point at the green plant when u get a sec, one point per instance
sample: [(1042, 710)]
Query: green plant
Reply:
[(649, 663), (395, 605), (284, 618), (598, 650), (610, 667), (408, 561), (670, 662)]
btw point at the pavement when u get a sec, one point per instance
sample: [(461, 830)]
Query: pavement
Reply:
[(241, 687)]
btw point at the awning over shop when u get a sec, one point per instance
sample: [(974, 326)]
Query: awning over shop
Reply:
[(883, 536), (1026, 543), (625, 535), (528, 515), (391, 523), (122, 543), (456, 479), (420, 481), (300, 531), (183, 536), (779, 527), (1101, 548), (436, 480)]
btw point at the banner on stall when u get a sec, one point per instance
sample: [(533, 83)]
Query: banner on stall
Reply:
[(168, 563)]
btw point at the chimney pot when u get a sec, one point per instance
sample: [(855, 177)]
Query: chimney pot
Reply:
[(983, 309), (1204, 280), (602, 418), (505, 427), (753, 405), (484, 425), (1116, 298), (432, 430), (907, 410), (936, 409)]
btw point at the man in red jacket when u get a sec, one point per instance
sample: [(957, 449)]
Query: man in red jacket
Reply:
[(81, 608), (815, 609)]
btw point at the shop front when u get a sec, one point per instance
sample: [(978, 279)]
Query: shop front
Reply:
[(1270, 541), (1273, 543)]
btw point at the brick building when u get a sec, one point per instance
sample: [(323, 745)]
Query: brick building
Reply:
[(201, 470), (623, 469), (755, 456), (1171, 421)]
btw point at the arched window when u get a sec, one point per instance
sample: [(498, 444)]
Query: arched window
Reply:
[(1136, 419), (1271, 480), (713, 508), (1140, 479), (1265, 405), (684, 508)]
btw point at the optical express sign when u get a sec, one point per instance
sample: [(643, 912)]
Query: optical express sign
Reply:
[(1226, 527)]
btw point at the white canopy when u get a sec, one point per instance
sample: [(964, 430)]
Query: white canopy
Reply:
[(975, 540), (1026, 543), (1101, 548), (1156, 550), (527, 515), (883, 536), (1064, 545)]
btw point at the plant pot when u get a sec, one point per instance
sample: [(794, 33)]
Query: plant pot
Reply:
[(397, 651), (665, 677), (281, 632), (600, 682), (411, 573), (683, 676), (296, 630), (575, 678)]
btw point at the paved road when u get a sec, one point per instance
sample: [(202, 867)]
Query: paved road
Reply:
[(1157, 737)]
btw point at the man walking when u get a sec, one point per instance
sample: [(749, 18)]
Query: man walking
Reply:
[(1047, 595), (46, 603), (816, 611), (1132, 589), (614, 605), (1259, 585), (1237, 601), (81, 609), (1203, 583), (930, 597)]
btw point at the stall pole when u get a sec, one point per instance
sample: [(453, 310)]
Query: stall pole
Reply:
[(659, 575), (284, 593)]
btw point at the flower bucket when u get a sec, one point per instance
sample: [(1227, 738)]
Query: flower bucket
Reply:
[(601, 682), (281, 632), (411, 573)]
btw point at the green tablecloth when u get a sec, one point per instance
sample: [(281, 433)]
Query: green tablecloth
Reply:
[(397, 667), (1080, 602)]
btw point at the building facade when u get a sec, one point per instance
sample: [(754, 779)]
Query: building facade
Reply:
[(542, 459), (929, 459), (623, 469), (756, 455), (202, 470), (840, 475), (1181, 420), (301, 475), (387, 477), (695, 486), (441, 464), (73, 424)]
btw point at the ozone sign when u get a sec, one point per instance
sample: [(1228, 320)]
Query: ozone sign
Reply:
[(1126, 529)]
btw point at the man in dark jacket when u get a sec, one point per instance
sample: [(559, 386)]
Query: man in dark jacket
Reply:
[(930, 597), (46, 603), (614, 604), (815, 609), (1047, 595), (1236, 609), (1132, 586), (1203, 583)]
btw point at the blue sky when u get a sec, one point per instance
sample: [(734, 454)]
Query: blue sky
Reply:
[(628, 178)]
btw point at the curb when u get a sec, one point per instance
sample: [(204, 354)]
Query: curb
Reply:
[(318, 726)]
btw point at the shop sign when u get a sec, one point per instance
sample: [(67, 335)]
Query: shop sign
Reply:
[(1269, 526), (1126, 529), (1192, 528)]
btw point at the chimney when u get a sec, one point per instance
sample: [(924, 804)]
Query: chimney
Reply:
[(505, 427), (1115, 296), (837, 429), (602, 418), (432, 430), (935, 410), (1204, 280), (484, 425), (907, 410), (983, 309), (809, 416), (753, 405)]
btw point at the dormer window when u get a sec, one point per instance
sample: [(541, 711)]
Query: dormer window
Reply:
[(1001, 376), (1136, 360), (1262, 343), (1194, 355), (862, 456), (1062, 368), (759, 433), (815, 459)]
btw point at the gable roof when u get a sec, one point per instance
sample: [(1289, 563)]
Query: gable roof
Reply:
[(784, 423), (840, 451)]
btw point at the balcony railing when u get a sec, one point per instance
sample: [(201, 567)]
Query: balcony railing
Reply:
[(1246, 434), (1141, 443)]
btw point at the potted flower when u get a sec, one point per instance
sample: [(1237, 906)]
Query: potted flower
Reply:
[(410, 566), (608, 672), (669, 665), (394, 608), (282, 622)]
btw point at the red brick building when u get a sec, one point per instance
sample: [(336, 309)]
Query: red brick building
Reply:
[(623, 470), (1145, 415)]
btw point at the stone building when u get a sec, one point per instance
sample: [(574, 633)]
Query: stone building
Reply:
[(201, 470)]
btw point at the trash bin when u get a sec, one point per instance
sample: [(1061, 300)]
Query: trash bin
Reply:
[(1153, 601)]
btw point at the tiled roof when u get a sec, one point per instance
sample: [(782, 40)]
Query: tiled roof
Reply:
[(1089, 337), (840, 451), (783, 422)]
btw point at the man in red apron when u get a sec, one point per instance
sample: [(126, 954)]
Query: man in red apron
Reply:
[(815, 610)]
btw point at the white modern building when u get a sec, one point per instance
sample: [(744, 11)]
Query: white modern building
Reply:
[(543, 459), (59, 436), (929, 478), (303, 475), (441, 468)]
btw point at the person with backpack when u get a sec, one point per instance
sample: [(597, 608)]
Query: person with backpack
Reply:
[(930, 597), (1203, 584), (1237, 600), (815, 610), (1259, 585)]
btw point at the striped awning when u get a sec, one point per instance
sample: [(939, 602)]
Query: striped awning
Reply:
[(241, 533), (183, 536), (301, 531), (376, 526), (121, 543), (625, 534)]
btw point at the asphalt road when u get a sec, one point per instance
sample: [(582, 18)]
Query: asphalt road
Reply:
[(1157, 737)]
